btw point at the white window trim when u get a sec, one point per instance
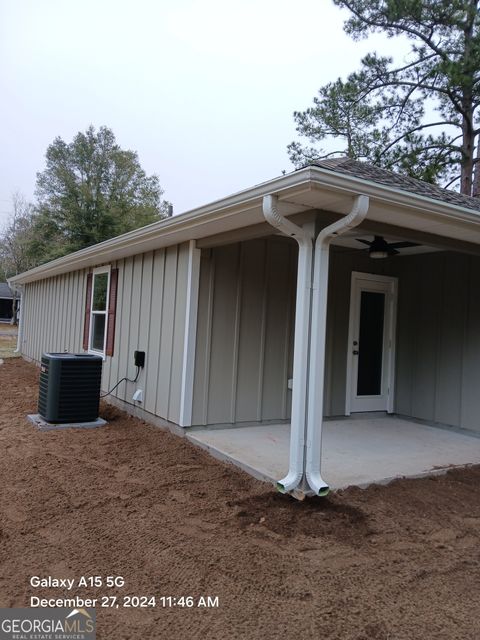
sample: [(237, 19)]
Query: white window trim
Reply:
[(97, 352)]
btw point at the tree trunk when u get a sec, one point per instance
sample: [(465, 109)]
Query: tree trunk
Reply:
[(476, 173), (467, 151), (468, 141)]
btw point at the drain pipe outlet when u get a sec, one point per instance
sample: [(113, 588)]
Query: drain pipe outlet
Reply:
[(318, 337), (304, 238)]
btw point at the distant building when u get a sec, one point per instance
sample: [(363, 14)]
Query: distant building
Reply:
[(6, 301)]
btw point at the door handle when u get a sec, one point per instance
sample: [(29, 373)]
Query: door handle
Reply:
[(355, 352)]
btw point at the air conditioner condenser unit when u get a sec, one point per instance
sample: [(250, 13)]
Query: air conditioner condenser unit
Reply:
[(69, 387)]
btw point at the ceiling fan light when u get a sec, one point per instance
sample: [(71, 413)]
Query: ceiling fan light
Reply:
[(378, 255)]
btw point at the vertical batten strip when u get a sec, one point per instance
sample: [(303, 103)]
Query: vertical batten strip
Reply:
[(236, 333), (171, 345), (190, 337), (289, 324), (208, 341), (73, 325), (41, 329), (149, 261), (162, 264), (263, 328), (466, 316)]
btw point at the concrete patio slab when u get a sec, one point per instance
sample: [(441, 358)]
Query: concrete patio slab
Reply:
[(356, 452)]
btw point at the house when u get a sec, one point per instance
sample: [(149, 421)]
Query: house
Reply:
[(6, 302), (338, 300)]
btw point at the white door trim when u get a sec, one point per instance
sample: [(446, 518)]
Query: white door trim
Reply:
[(389, 336)]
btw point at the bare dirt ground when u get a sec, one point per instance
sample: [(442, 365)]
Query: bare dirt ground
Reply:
[(397, 562)]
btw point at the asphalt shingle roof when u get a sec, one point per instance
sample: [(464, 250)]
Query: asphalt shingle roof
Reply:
[(5, 290), (370, 172)]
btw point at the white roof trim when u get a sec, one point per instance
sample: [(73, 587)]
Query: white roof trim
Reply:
[(193, 224)]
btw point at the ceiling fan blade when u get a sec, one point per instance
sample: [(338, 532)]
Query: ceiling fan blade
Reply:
[(403, 245), (367, 242), (392, 251)]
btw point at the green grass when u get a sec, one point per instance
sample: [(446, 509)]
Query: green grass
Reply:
[(8, 344)]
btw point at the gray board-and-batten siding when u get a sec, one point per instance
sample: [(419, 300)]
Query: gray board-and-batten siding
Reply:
[(244, 354), (245, 333), (245, 330), (438, 334), (150, 317)]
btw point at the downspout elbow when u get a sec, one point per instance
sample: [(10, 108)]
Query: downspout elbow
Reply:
[(290, 481), (273, 216), (317, 484), (356, 216)]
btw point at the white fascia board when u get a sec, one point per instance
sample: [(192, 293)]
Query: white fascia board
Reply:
[(380, 192), (166, 229), (193, 224)]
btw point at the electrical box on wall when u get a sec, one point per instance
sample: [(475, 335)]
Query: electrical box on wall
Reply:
[(139, 357), (138, 396)]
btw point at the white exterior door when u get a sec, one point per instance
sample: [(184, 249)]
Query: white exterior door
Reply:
[(371, 343)]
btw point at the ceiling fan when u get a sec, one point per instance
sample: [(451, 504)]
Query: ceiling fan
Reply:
[(380, 248)]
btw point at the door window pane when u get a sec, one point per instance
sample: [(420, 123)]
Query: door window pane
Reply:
[(372, 312)]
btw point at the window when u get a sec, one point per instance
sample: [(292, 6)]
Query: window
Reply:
[(100, 311)]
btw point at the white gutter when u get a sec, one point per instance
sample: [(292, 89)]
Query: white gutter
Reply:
[(318, 338), (302, 328), (201, 222), (425, 205), (192, 224)]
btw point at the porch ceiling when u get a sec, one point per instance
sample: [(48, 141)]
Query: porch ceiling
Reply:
[(351, 241), (414, 216)]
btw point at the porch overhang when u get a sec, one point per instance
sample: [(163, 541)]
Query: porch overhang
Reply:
[(312, 188)]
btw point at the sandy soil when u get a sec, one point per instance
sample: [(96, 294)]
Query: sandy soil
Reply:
[(397, 562)]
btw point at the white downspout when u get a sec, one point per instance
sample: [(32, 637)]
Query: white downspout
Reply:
[(20, 290), (318, 337), (302, 327)]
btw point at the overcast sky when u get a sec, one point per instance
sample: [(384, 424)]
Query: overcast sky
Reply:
[(203, 90)]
